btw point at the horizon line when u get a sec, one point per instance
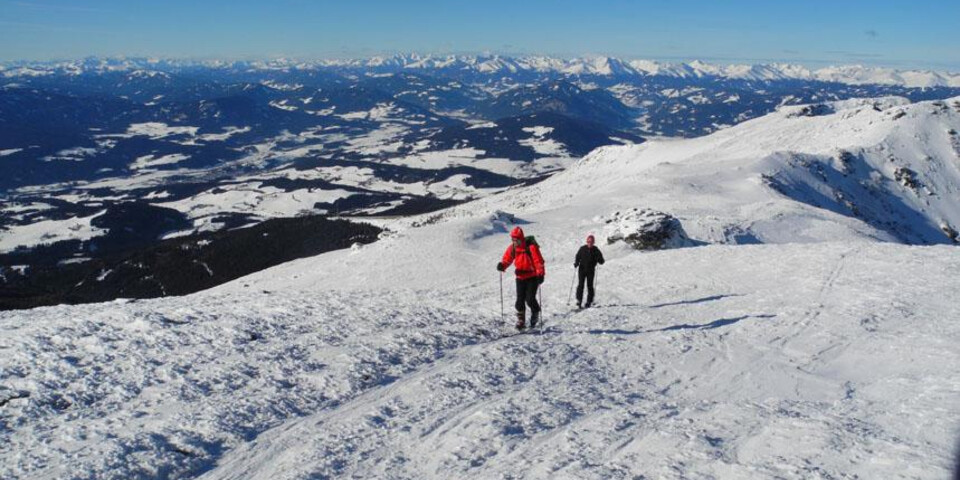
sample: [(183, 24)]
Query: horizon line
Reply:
[(897, 65)]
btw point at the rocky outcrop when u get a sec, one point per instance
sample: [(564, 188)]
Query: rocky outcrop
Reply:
[(645, 229)]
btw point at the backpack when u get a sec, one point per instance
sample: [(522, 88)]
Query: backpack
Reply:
[(529, 240)]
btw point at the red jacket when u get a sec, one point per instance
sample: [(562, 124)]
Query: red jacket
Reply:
[(528, 262)]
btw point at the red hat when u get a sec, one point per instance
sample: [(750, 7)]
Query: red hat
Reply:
[(590, 237), (517, 233)]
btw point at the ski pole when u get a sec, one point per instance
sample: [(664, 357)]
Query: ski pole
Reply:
[(572, 279)]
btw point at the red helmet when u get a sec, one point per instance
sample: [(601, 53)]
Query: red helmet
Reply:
[(517, 233)]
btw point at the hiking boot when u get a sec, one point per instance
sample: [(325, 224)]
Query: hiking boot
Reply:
[(521, 323), (534, 319)]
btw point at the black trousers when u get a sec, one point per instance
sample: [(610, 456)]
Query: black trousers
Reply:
[(527, 294), (587, 275)]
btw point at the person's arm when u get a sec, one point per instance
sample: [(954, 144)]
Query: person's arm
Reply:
[(538, 264), (599, 256), (577, 259), (507, 259)]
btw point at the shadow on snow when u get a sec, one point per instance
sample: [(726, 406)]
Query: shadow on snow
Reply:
[(723, 322)]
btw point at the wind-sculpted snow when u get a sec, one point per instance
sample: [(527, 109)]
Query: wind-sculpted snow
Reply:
[(804, 361), (149, 390)]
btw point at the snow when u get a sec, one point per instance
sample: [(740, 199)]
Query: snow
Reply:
[(149, 161), (381, 112), (283, 106), (732, 362), (386, 139), (285, 87), (543, 146), (363, 177), (76, 154), (473, 157), (538, 131), (600, 66), (830, 351), (157, 130), (227, 133), (254, 198), (48, 231), (860, 75)]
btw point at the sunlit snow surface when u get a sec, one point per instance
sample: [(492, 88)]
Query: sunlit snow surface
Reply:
[(830, 352)]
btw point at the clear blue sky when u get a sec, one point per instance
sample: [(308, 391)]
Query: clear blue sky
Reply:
[(883, 32)]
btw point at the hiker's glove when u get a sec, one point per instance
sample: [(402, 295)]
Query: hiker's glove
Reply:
[(501, 267)]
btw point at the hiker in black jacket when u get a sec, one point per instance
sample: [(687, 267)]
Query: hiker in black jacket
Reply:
[(588, 257)]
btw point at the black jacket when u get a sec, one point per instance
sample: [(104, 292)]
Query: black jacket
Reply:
[(588, 258)]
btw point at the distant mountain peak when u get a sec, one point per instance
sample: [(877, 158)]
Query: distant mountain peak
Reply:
[(493, 64)]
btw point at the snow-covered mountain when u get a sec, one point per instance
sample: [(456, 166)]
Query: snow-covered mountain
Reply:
[(105, 159), (826, 349), (881, 169), (507, 65)]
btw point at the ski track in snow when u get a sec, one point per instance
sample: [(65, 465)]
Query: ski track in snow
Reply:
[(704, 373)]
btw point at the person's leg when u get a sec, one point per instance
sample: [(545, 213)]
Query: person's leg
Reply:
[(520, 305), (590, 291), (532, 287), (521, 298), (580, 278)]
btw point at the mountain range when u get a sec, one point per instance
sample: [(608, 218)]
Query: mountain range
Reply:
[(497, 65)]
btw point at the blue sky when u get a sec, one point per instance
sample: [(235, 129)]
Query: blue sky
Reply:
[(893, 33)]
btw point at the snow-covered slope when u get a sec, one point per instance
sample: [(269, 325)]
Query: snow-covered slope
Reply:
[(823, 354), (879, 169)]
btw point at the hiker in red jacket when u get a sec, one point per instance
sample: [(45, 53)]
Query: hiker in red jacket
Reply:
[(524, 254)]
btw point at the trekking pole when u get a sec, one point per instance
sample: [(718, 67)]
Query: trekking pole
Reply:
[(540, 294), (596, 283), (572, 279), (542, 316), (501, 298)]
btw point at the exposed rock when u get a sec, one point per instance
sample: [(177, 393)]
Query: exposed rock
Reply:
[(646, 230), (950, 232), (814, 110), (907, 178), (846, 159)]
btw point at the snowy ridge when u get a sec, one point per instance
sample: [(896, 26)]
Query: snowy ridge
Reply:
[(498, 64), (879, 169), (825, 353)]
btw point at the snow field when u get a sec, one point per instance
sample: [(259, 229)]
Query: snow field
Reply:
[(790, 361)]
